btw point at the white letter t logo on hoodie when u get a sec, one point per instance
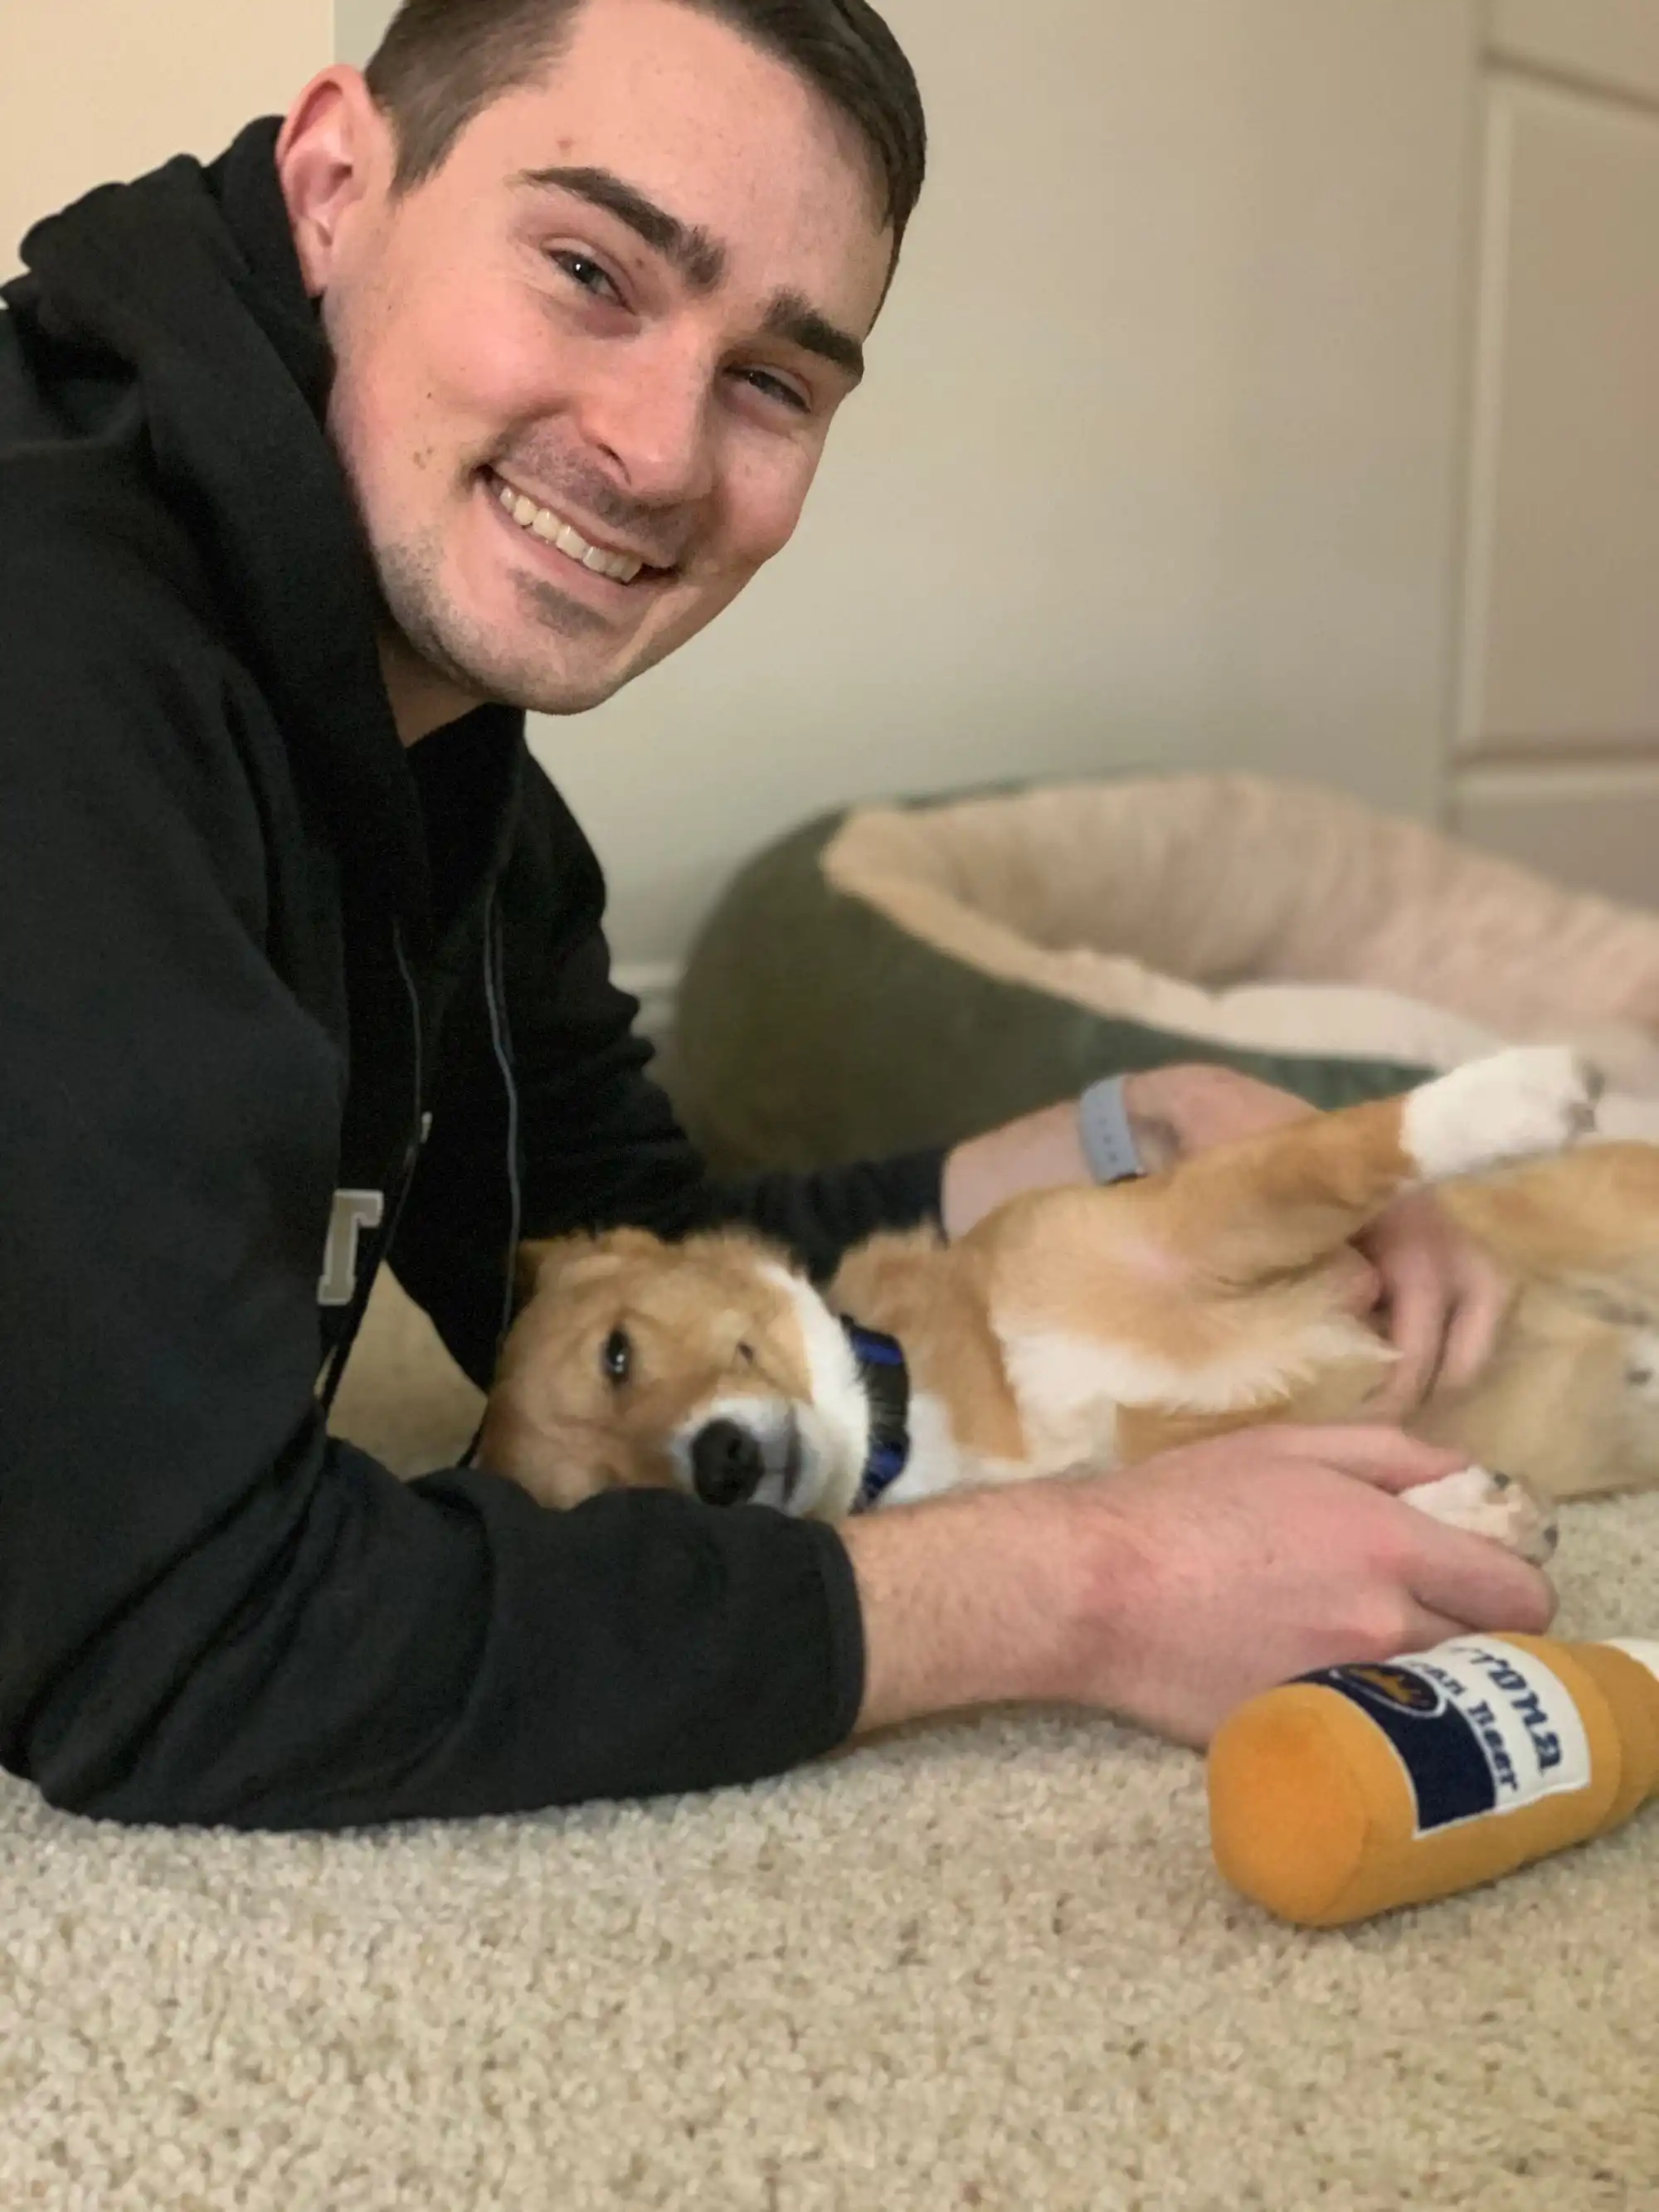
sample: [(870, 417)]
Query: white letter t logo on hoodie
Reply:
[(354, 1212)]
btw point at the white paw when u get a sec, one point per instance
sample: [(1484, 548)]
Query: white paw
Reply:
[(1485, 1505), (1520, 1105), (1642, 1365)]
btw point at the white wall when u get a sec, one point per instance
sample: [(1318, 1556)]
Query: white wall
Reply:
[(358, 25), (94, 90), (1156, 462)]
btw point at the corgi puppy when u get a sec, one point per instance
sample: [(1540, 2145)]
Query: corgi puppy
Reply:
[(1089, 1328)]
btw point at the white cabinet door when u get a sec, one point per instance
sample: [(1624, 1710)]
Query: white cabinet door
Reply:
[(1607, 42), (1597, 828), (1562, 629)]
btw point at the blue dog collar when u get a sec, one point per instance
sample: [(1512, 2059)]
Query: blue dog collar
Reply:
[(886, 1380)]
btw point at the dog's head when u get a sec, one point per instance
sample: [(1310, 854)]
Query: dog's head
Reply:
[(710, 1366)]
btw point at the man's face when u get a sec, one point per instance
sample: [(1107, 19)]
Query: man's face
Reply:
[(586, 371)]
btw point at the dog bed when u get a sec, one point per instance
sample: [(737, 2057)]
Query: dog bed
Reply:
[(907, 975)]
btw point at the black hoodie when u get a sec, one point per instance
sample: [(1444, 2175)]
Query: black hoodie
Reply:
[(264, 973)]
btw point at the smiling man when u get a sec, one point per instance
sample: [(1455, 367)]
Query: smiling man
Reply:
[(476, 385), (589, 352)]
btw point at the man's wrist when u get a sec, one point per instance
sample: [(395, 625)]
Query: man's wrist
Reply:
[(1036, 1152), (1107, 1133), (1150, 1106), (977, 1599), (1195, 1105), (1170, 1112)]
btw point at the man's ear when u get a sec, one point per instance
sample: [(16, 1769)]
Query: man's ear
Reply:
[(335, 155)]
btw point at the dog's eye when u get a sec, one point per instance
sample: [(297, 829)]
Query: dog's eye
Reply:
[(618, 1357), (746, 1353)]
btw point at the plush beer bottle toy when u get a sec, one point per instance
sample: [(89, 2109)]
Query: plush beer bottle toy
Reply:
[(1352, 1791)]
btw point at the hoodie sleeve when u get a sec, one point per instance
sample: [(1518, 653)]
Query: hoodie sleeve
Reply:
[(209, 1611)]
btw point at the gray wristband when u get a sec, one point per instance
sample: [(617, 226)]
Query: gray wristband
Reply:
[(1108, 1142)]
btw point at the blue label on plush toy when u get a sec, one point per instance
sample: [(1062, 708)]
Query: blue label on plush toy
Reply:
[(1480, 1725)]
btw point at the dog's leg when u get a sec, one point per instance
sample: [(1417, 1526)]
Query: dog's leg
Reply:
[(1274, 1205), (1277, 1203), (1586, 1224), (1487, 1504), (1224, 1287), (1572, 1402)]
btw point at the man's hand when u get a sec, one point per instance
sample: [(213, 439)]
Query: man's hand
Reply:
[(1439, 1298), (1176, 1111), (1170, 1592), (1436, 1295), (1441, 1301), (1173, 1111), (1240, 1562)]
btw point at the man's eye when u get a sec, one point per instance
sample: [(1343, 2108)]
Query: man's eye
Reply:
[(586, 273), (618, 1357), (774, 388)]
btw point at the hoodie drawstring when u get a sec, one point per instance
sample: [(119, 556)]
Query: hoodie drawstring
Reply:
[(500, 1038), (369, 1269)]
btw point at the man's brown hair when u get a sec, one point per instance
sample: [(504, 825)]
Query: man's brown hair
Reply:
[(443, 62)]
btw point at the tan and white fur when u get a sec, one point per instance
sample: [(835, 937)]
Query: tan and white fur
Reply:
[(1079, 1328)]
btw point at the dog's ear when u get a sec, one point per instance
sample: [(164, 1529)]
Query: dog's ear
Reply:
[(540, 1261), (633, 1244)]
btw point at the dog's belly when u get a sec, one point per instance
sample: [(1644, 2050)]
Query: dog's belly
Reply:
[(1555, 1409), (1085, 1402), (1568, 1405)]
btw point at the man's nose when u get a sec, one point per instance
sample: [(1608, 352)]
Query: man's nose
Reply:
[(726, 1464), (648, 411)]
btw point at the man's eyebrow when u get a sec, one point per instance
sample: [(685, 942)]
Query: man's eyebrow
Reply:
[(799, 323), (700, 259)]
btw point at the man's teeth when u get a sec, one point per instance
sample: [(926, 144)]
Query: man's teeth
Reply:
[(543, 523)]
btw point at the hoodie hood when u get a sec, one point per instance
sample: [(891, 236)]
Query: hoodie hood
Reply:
[(181, 296)]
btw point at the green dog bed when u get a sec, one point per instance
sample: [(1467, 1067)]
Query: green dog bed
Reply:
[(900, 975)]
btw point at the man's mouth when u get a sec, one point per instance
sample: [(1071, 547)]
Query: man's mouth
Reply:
[(554, 531)]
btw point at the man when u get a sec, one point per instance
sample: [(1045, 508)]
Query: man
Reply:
[(479, 386)]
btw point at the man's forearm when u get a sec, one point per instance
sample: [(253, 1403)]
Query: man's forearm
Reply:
[(1170, 1111), (1171, 1590), (972, 1600), (1042, 1149), (1035, 1153)]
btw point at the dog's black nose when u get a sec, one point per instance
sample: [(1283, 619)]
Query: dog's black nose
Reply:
[(726, 1465)]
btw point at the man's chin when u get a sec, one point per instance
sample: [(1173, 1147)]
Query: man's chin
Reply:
[(545, 684), (543, 666), (576, 685), (583, 683), (567, 699)]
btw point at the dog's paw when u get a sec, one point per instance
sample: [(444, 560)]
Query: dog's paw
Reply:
[(1485, 1505), (1520, 1105), (1642, 1365)]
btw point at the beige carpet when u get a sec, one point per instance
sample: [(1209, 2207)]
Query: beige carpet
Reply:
[(987, 1964)]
